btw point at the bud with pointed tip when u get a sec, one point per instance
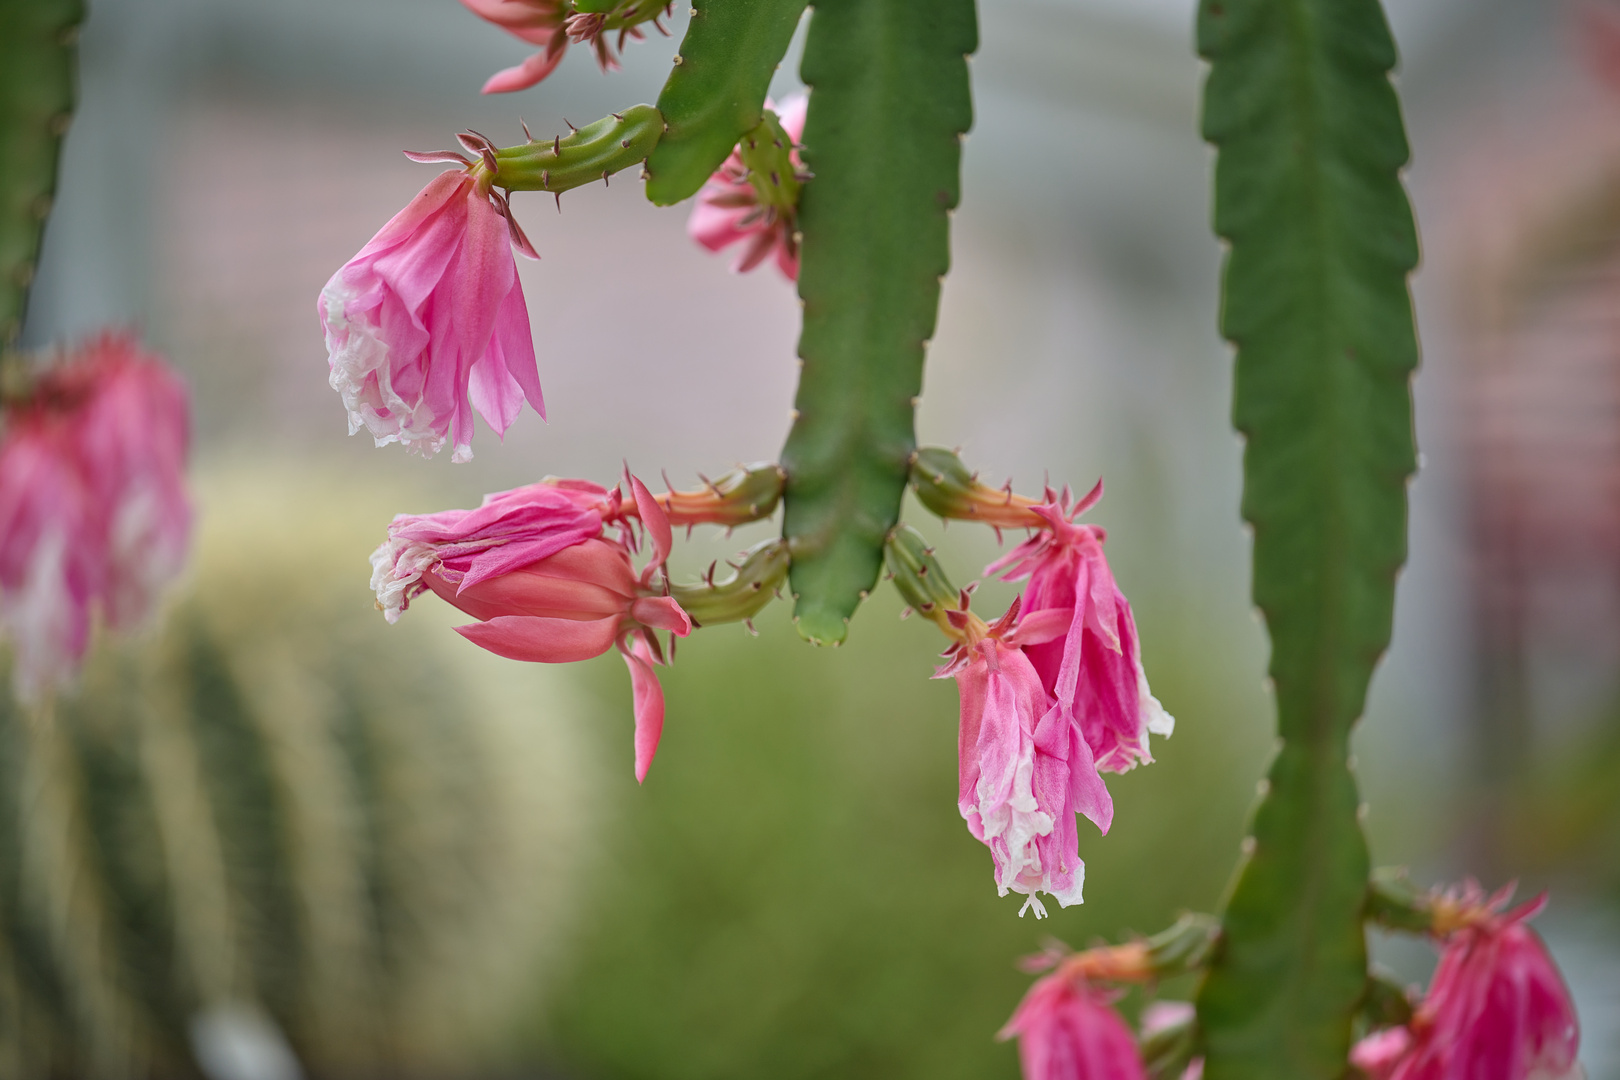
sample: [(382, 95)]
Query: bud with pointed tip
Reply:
[(753, 197), (945, 486), (746, 493)]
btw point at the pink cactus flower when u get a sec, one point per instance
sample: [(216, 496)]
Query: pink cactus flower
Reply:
[(94, 513), (553, 24), (1024, 769), (428, 323), (1095, 668), (1067, 1029), (729, 210), (539, 22), (1496, 1009), (533, 567)]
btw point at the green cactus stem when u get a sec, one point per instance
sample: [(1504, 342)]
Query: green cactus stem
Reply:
[(37, 59), (716, 92), (584, 156), (889, 104), (919, 577)]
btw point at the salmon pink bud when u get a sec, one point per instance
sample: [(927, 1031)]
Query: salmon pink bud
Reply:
[(1067, 1029), (746, 493), (1496, 1009), (427, 322), (753, 198), (1094, 669), (532, 566), (945, 486), (93, 507)]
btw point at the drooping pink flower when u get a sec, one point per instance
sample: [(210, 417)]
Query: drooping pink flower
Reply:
[(1067, 1029), (428, 323), (1095, 668), (1025, 770), (553, 24), (94, 513), (729, 209), (533, 567), (1497, 1008), (539, 22)]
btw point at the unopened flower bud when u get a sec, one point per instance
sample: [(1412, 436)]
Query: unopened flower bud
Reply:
[(946, 487), (920, 578), (746, 493), (753, 198), (742, 596)]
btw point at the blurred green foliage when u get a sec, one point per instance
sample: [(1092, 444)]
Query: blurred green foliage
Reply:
[(793, 893)]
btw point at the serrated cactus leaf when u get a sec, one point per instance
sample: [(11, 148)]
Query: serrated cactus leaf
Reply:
[(717, 90), (1308, 128), (37, 49), (889, 103)]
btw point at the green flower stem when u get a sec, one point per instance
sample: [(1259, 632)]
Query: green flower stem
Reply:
[(588, 154)]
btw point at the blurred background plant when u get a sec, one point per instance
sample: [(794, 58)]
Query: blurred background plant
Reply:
[(792, 892)]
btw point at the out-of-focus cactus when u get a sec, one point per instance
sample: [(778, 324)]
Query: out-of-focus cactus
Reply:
[(278, 804)]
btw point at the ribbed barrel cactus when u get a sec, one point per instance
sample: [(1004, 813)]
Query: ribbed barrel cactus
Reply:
[(276, 805)]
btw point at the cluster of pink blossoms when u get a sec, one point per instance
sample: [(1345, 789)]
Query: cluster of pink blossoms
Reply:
[(94, 514), (536, 567), (1496, 1009), (1052, 696)]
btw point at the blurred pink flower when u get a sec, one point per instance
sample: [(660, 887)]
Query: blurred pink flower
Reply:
[(1497, 1009), (539, 22), (533, 566), (427, 322), (729, 209), (1094, 669), (1024, 769), (93, 506), (1067, 1029)]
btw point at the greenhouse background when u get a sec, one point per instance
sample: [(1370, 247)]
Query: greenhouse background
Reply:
[(792, 893)]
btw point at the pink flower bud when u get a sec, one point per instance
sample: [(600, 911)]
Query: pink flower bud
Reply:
[(1067, 1029), (93, 506), (1496, 1009), (547, 587), (428, 323), (752, 198), (1094, 669)]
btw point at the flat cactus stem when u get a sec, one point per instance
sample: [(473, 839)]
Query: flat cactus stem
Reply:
[(716, 91), (888, 108), (1321, 239), (37, 54), (584, 156)]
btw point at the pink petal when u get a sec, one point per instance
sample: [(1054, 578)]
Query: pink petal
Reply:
[(661, 613), (543, 641), (715, 227), (653, 519), (529, 73), (649, 699)]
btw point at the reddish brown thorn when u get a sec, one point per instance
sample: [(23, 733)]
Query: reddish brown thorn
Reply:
[(604, 178), (558, 195), (619, 117), (750, 624), (556, 144), (571, 127), (527, 134)]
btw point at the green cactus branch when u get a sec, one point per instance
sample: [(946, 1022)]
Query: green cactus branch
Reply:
[(717, 90), (889, 104), (37, 53), (1300, 107)]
